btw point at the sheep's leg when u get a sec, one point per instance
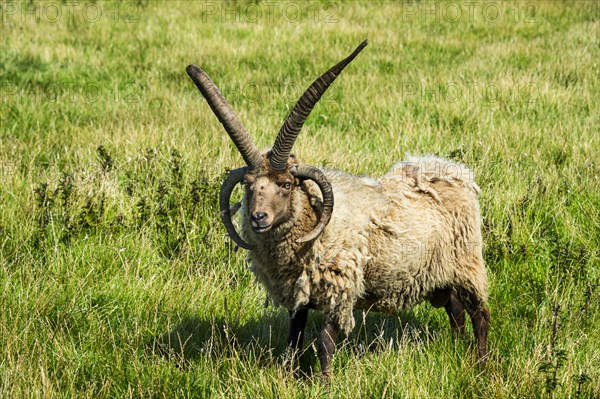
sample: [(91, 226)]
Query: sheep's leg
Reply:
[(480, 317), (456, 313), (296, 336), (327, 341)]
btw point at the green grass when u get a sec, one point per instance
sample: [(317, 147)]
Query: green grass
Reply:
[(116, 279)]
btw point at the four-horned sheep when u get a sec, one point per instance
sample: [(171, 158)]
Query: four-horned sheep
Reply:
[(387, 244)]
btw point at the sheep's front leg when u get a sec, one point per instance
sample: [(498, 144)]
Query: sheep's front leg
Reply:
[(327, 341), (296, 336)]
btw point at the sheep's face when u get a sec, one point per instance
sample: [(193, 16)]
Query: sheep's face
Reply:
[(269, 197)]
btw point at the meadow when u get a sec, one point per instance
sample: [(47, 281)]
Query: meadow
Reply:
[(117, 279)]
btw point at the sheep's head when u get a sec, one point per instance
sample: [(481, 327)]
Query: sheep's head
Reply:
[(271, 177)]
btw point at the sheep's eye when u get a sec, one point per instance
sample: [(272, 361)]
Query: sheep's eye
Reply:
[(286, 185)]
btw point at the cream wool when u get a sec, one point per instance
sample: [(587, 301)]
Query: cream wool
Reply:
[(391, 243)]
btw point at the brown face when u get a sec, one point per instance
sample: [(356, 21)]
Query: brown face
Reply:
[(269, 198)]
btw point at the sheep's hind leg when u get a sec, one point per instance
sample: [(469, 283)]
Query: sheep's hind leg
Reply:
[(481, 320), (327, 341), (296, 336), (480, 317), (456, 313)]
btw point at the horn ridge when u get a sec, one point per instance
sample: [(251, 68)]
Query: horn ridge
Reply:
[(224, 112), (295, 120)]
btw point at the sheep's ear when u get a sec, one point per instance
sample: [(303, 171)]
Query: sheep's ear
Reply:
[(296, 181)]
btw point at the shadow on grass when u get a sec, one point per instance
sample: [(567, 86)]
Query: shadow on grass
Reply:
[(375, 332), (263, 339), (198, 337)]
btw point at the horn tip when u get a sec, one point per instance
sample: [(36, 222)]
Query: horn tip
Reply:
[(313, 234), (244, 245), (361, 46), (193, 69)]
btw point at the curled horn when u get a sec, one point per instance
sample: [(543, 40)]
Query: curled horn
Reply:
[(314, 174), (226, 116), (293, 123), (235, 176)]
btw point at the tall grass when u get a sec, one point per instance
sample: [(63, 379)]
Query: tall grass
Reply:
[(116, 277)]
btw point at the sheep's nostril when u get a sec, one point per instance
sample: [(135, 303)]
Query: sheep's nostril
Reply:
[(258, 216)]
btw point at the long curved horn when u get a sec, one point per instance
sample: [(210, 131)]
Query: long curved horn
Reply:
[(227, 117), (294, 121), (234, 177), (314, 174)]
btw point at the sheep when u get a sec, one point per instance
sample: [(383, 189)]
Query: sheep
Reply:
[(410, 236)]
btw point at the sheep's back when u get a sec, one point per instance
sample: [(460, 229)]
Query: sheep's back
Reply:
[(422, 225)]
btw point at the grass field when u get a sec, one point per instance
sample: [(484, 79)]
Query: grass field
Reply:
[(116, 279)]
